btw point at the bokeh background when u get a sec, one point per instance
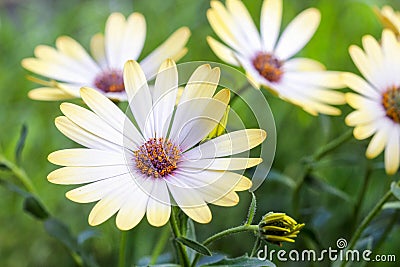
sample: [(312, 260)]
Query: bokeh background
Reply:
[(327, 201)]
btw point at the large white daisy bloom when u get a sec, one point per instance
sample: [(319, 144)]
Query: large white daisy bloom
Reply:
[(268, 61), (377, 103), (70, 67), (136, 171)]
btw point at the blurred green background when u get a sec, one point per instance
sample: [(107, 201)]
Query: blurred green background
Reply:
[(327, 206)]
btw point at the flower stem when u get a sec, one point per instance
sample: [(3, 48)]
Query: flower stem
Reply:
[(309, 166), (20, 174), (230, 231), (367, 220), (122, 249), (160, 245), (367, 176), (181, 252)]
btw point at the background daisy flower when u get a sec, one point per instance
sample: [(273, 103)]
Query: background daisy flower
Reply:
[(389, 18), (70, 67), (136, 171), (377, 103), (268, 61)]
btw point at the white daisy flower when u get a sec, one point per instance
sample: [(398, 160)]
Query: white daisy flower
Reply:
[(377, 103), (136, 171), (70, 67), (268, 61), (389, 18)]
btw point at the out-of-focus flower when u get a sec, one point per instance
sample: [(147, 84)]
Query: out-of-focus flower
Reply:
[(70, 67), (389, 18), (276, 227), (136, 171), (377, 103), (267, 61)]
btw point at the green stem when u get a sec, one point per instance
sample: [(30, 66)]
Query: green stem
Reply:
[(20, 174), (367, 220), (122, 249), (367, 178), (182, 255), (230, 231), (256, 246), (309, 166), (160, 245)]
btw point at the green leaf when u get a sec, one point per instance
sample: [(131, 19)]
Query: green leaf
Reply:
[(86, 235), (20, 144), (395, 188), (320, 185), (61, 232), (281, 178), (252, 209), (392, 205), (199, 248), (33, 206), (244, 261), (4, 167), (191, 234)]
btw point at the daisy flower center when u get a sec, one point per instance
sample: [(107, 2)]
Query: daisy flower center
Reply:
[(110, 81), (268, 66), (391, 103), (157, 157)]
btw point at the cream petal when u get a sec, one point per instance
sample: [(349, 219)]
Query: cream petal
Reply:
[(227, 144), (222, 51), (159, 207), (362, 116), (302, 64), (49, 94), (221, 163), (82, 175), (139, 96), (111, 114), (359, 85), (133, 209), (379, 140), (298, 33), (164, 96), (329, 79), (391, 58), (173, 48), (81, 157), (97, 48), (244, 21), (108, 206), (360, 102), (83, 137), (202, 83), (133, 39), (97, 190), (74, 50), (89, 121), (271, 15), (244, 184), (392, 150), (364, 131), (228, 200), (194, 119), (114, 37)]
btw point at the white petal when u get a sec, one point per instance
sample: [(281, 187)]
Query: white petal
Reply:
[(298, 33), (364, 131), (134, 37), (223, 52), (111, 114), (202, 83), (97, 48), (139, 96), (244, 21), (392, 150), (82, 175), (391, 52), (164, 97), (328, 79), (228, 200), (227, 144), (302, 64), (379, 140), (173, 48), (271, 15), (114, 37), (221, 163), (362, 116), (81, 157), (159, 207), (359, 85), (49, 94), (194, 119)]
